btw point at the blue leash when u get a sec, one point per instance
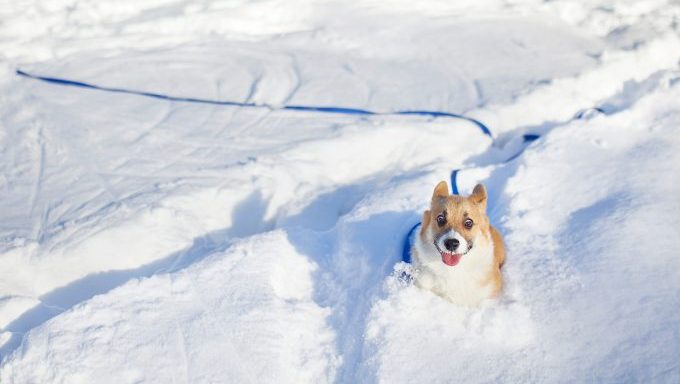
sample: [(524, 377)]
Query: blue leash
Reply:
[(306, 108), (408, 242)]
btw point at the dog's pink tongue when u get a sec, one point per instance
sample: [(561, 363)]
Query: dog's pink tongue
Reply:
[(450, 259)]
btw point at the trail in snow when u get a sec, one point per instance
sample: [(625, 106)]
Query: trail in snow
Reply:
[(199, 243), (575, 299)]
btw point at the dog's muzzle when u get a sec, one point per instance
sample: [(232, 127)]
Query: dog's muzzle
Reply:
[(452, 247)]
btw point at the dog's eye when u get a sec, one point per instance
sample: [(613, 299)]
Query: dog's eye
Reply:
[(441, 220), (468, 223)]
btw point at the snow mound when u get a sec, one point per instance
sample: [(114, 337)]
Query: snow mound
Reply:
[(591, 269), (202, 324)]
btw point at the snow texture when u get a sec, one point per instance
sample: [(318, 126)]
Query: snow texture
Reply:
[(156, 241)]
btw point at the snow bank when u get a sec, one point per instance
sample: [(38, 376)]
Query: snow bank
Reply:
[(590, 217), (203, 324)]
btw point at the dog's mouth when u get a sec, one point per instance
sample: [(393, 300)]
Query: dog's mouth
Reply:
[(451, 259)]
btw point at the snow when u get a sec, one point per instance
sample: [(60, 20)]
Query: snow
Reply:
[(144, 240), (180, 324), (592, 291)]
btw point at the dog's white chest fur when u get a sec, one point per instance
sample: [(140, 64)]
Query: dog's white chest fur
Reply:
[(465, 283)]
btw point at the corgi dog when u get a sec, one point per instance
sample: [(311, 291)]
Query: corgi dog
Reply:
[(457, 254)]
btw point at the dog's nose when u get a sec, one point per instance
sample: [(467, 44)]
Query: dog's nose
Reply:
[(451, 244)]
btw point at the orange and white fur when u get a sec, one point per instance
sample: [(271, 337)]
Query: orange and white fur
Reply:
[(457, 253)]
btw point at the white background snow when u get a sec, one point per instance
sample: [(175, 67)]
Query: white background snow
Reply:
[(145, 240)]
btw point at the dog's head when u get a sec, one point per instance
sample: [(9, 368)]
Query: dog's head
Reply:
[(455, 224)]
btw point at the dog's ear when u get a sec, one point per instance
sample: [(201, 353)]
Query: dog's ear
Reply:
[(478, 196), (441, 190)]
